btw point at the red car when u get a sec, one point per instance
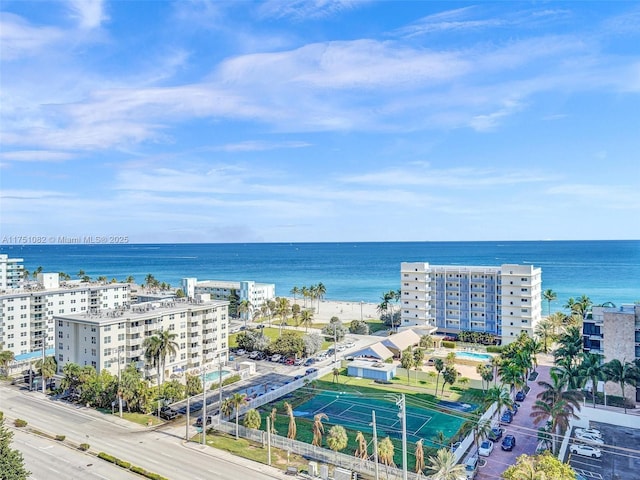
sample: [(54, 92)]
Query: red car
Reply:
[(290, 361)]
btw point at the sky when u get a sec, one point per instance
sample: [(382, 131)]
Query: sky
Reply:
[(319, 121)]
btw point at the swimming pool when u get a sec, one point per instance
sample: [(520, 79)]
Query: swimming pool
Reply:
[(215, 375), (479, 357)]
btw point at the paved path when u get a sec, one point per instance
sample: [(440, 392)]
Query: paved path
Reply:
[(524, 430)]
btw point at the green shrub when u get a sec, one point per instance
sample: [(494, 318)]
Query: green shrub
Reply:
[(138, 470), (448, 344), (84, 447), (494, 349), (18, 422), (107, 457), (227, 381), (389, 360), (123, 463), (60, 438), (1, 416)]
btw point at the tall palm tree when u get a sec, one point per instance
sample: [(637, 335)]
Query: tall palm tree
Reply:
[(418, 361), (244, 309), (294, 291), (318, 429), (512, 375), (559, 413), (226, 408), (480, 428), (591, 369), (544, 329), (623, 373), (569, 347), (549, 295), (306, 318), (337, 438), (499, 396), (444, 467), (156, 349), (292, 421), (495, 363), (438, 364), (47, 369), (406, 361), (321, 290), (386, 451), (238, 400), (556, 390), (282, 309), (419, 454), (361, 451)]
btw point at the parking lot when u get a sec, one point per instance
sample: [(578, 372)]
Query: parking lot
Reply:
[(619, 460)]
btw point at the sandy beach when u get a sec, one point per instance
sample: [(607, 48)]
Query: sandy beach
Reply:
[(345, 311)]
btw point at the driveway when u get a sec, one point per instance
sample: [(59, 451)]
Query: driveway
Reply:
[(522, 427)]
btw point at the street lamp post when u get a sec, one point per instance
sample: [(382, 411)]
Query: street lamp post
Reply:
[(204, 407), (119, 385), (44, 356)]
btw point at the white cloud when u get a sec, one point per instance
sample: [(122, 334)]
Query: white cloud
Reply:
[(89, 14), (35, 156), (306, 9), (19, 38)]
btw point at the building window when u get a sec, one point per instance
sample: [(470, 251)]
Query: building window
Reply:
[(60, 335), (60, 357), (93, 352), (106, 340)]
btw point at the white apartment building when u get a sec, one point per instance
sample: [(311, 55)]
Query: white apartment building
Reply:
[(116, 336), (26, 314), (256, 293), (504, 301), (11, 270)]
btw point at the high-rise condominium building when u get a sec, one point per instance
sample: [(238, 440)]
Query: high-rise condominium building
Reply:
[(11, 270), (116, 337), (26, 313), (504, 300)]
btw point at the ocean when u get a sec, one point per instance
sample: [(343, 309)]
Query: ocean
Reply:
[(603, 270)]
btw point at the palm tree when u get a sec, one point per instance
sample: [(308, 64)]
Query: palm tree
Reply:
[(130, 381), (406, 361), (419, 454), (6, 357), (361, 451), (499, 396), (549, 295), (157, 347), (337, 438), (48, 368), (512, 375), (252, 419), (560, 413), (294, 291), (226, 408), (444, 467), (385, 453), (591, 369), (556, 390), (244, 309), (282, 309), (238, 400), (273, 415), (292, 421), (544, 329), (321, 290), (570, 347), (318, 429), (438, 364), (623, 373), (418, 360), (480, 428), (495, 363), (306, 318)]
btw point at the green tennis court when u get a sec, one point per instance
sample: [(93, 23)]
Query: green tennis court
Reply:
[(354, 412)]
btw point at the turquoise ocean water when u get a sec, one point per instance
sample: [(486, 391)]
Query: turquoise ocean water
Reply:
[(603, 270)]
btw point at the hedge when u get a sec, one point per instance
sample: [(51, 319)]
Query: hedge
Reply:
[(448, 344), (123, 463), (18, 422), (84, 447), (107, 457), (1, 416), (494, 349), (60, 438), (227, 381)]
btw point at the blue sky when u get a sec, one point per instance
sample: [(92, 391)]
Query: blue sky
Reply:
[(238, 121)]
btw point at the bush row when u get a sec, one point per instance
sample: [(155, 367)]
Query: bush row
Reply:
[(448, 344), (128, 466), (18, 422), (229, 381)]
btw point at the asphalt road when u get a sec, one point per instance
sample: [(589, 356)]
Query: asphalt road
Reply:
[(153, 449), (47, 459)]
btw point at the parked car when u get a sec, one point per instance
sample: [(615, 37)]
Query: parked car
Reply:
[(310, 371), (168, 413), (507, 417), (589, 431), (520, 396), (209, 420), (586, 450), (254, 355), (585, 437), (276, 357), (508, 443), (298, 362), (309, 361), (485, 448), (471, 467), (289, 361), (513, 409), (241, 351), (350, 344), (495, 434)]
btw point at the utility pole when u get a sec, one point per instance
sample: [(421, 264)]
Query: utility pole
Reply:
[(268, 441), (335, 342), (44, 356), (186, 435), (375, 443), (401, 403), (119, 387), (204, 409), (219, 389)]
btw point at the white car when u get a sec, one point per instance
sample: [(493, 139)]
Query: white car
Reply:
[(584, 437), (589, 431), (485, 448), (350, 344), (586, 450)]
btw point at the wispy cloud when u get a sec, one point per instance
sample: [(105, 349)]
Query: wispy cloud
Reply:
[(257, 146), (307, 9), (36, 156), (19, 38), (88, 13)]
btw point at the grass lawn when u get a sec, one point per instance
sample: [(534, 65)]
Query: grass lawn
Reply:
[(273, 333), (376, 325), (141, 418), (253, 451)]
